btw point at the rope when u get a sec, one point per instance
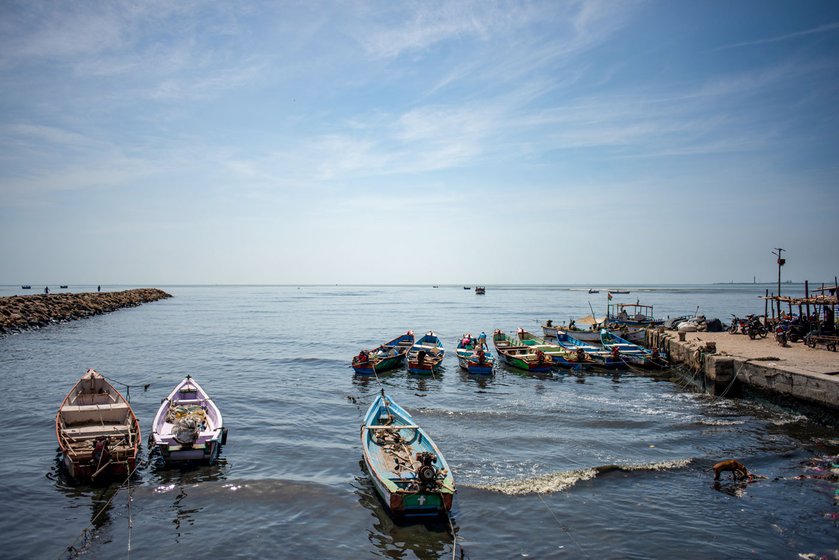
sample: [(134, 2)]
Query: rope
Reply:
[(71, 548), (564, 529), (454, 535), (145, 387)]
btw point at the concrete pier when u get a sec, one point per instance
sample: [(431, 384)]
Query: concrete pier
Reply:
[(732, 362)]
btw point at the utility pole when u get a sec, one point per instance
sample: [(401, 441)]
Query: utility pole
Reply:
[(781, 262)]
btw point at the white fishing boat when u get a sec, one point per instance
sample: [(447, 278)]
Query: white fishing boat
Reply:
[(188, 425)]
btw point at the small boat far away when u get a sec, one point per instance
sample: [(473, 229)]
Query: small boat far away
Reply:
[(593, 291), (188, 425), (386, 357), (26, 287), (407, 469), (98, 432), (480, 290)]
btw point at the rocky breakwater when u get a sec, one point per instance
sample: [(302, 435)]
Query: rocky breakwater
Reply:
[(20, 313)]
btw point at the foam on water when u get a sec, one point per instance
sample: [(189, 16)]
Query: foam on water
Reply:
[(562, 480)]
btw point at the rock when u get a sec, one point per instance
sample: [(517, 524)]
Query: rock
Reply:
[(19, 313)]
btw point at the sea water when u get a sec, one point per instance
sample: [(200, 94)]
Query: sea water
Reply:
[(596, 464)]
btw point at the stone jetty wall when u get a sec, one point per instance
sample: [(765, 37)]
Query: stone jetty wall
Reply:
[(729, 363), (20, 313)]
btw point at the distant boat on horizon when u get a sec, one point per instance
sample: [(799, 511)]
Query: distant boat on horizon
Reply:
[(26, 287)]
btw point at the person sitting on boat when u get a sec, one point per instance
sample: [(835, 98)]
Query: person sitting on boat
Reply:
[(550, 323), (481, 355), (623, 315), (420, 358), (363, 357), (571, 325), (466, 342)]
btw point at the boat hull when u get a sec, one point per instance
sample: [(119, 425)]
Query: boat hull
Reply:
[(386, 357), (188, 426), (97, 431), (389, 452)]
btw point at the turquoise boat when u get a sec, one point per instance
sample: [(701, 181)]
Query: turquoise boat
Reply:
[(388, 356), (426, 355), (631, 353), (597, 354), (407, 469), (515, 354)]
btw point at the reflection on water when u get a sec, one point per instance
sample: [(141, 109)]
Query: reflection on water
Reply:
[(397, 538)]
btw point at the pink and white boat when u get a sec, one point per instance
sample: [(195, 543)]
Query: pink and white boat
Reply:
[(188, 425)]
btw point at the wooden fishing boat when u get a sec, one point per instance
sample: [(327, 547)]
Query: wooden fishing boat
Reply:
[(561, 356), (632, 315), (98, 432), (629, 352), (407, 469), (480, 290), (591, 334), (597, 354), (388, 356), (188, 425), (426, 355), (473, 357), (513, 353), (26, 287)]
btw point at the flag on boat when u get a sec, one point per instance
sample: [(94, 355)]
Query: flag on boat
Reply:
[(609, 295)]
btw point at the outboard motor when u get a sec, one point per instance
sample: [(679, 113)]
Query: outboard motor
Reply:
[(426, 472)]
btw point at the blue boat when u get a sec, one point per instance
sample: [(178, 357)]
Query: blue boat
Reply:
[(426, 355), (387, 356), (472, 357), (629, 352), (597, 354), (407, 469)]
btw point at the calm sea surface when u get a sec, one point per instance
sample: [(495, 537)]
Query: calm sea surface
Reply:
[(530, 454)]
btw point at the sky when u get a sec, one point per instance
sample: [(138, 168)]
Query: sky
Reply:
[(604, 142)]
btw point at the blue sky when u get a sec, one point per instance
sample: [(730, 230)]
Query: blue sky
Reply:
[(418, 142)]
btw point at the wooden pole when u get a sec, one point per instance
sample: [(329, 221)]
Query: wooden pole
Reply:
[(807, 297), (765, 307)]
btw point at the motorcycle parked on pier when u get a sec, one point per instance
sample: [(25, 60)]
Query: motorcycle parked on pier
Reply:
[(755, 328)]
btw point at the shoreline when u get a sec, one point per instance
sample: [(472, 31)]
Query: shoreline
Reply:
[(31, 312)]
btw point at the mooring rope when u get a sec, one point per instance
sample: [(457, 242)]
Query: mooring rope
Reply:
[(71, 548), (128, 387), (561, 526)]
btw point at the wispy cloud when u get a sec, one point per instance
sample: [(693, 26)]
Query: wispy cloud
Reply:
[(813, 31)]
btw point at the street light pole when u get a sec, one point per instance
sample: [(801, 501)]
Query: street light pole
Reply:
[(781, 262)]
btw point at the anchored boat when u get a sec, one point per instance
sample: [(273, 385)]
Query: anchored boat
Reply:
[(98, 432), (188, 425), (473, 357), (561, 356), (426, 355), (388, 356), (513, 353), (631, 353), (407, 469), (598, 355)]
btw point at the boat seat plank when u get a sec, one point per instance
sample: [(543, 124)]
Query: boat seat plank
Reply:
[(120, 429), (392, 427), (94, 407)]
